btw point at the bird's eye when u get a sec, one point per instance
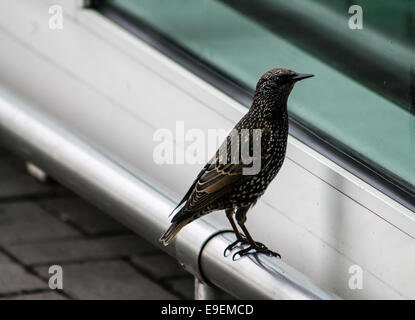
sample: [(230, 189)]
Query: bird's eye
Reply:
[(276, 81)]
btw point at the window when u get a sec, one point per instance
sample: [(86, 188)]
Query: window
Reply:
[(362, 100)]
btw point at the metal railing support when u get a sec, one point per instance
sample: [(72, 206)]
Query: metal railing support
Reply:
[(136, 204), (204, 291)]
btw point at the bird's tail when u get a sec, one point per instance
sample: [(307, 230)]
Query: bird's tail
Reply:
[(172, 231)]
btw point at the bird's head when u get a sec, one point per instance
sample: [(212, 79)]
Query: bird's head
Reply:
[(276, 84)]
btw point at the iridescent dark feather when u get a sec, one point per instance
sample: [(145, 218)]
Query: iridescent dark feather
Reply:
[(222, 185)]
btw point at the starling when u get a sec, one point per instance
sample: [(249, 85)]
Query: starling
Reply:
[(222, 185)]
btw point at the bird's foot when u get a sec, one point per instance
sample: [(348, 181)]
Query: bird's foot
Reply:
[(234, 244), (259, 247), (241, 241)]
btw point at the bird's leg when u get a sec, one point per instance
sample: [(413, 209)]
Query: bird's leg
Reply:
[(239, 237), (253, 245)]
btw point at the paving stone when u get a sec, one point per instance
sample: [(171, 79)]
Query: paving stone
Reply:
[(13, 278), (107, 280), (45, 232), (80, 249), (27, 222), (15, 182), (90, 219), (159, 266), (39, 296), (184, 286)]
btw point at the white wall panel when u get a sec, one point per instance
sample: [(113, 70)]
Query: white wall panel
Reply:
[(114, 91)]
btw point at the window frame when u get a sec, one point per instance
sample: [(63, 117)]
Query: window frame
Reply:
[(335, 151)]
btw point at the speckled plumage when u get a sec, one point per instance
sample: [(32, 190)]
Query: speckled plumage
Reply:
[(223, 186)]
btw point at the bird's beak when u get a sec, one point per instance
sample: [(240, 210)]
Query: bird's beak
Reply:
[(302, 76)]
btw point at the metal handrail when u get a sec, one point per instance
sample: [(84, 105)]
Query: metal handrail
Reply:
[(199, 247)]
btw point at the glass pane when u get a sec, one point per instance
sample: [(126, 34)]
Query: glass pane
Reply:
[(363, 95)]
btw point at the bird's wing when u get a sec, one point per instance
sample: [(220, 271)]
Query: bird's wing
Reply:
[(189, 192), (215, 180)]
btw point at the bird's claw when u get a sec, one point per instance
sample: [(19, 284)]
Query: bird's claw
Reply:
[(261, 248), (258, 247), (233, 245), (242, 240)]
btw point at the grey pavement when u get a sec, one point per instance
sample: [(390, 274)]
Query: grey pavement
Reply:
[(44, 224)]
